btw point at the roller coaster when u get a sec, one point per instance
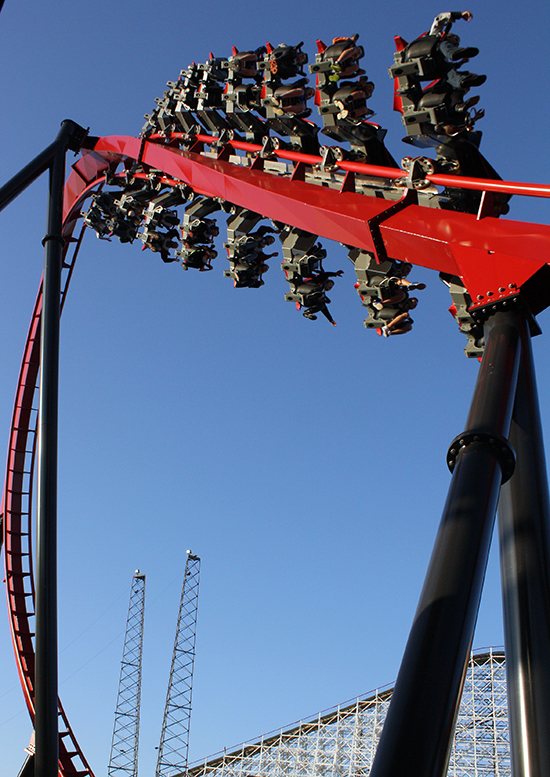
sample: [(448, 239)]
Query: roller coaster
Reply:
[(234, 135)]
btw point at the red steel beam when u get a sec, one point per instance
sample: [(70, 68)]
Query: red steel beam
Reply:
[(495, 258)]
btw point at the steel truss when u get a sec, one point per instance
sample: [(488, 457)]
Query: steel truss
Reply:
[(174, 738), (341, 742), (125, 742)]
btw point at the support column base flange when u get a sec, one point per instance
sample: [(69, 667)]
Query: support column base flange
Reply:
[(495, 443)]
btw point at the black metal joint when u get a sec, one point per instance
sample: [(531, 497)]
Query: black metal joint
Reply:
[(418, 168), (47, 238), (270, 145), (77, 135), (410, 197), (494, 443), (330, 156)]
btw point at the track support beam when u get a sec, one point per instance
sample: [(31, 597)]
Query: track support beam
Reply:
[(417, 735), (524, 531), (46, 676), (71, 136)]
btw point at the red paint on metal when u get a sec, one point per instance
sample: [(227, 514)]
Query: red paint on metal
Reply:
[(487, 254), (308, 159), (17, 511), (486, 185), (400, 44)]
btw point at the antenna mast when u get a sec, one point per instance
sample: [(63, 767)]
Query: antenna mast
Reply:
[(174, 738), (125, 743)]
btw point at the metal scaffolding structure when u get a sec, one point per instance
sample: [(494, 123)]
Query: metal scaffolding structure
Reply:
[(341, 742), (125, 742), (174, 738)]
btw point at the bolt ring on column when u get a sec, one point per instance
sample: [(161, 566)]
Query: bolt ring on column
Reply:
[(495, 443), (47, 238)]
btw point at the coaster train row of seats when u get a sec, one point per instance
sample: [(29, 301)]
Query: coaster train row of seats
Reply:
[(258, 101)]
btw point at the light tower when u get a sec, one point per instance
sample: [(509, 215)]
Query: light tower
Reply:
[(125, 743), (174, 737)]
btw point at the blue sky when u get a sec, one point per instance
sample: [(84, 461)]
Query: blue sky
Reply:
[(304, 463)]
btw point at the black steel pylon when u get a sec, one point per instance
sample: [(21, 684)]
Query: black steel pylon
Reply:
[(524, 531), (418, 732)]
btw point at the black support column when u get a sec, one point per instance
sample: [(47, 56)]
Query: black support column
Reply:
[(46, 682), (45, 691), (524, 530), (70, 136), (417, 735)]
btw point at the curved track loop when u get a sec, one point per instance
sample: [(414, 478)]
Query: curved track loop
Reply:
[(18, 487), (447, 241), (17, 524)]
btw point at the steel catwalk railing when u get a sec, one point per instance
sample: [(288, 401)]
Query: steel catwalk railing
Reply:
[(417, 735), (174, 739), (524, 528), (125, 741)]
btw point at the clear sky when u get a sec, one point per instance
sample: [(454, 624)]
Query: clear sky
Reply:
[(304, 463)]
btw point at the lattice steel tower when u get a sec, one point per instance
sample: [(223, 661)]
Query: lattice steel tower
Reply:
[(174, 738), (125, 743)]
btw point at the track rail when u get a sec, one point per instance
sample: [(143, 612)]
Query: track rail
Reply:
[(495, 259), (17, 520)]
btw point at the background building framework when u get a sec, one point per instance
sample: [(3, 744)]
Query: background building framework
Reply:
[(342, 741)]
